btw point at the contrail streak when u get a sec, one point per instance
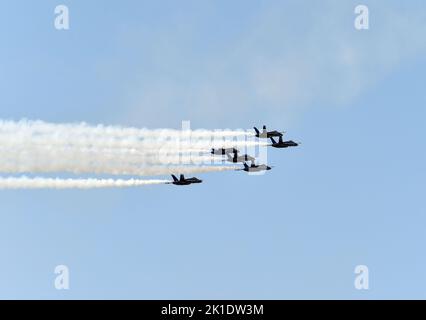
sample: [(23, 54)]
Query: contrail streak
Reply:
[(42, 127), (39, 147), (57, 183), (80, 162), (176, 146), (37, 133), (55, 160)]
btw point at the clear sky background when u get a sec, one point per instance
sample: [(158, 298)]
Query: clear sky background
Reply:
[(352, 194)]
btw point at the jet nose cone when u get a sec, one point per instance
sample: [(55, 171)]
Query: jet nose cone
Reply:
[(268, 168)]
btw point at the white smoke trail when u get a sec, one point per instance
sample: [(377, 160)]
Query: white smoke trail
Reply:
[(36, 147), (39, 133), (116, 162), (75, 161), (57, 183), (176, 146), (114, 131), (28, 153)]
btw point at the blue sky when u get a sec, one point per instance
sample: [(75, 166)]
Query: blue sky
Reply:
[(352, 194)]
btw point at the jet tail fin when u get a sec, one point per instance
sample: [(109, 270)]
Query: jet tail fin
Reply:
[(273, 141), (246, 165), (174, 178), (182, 178), (257, 131), (235, 158)]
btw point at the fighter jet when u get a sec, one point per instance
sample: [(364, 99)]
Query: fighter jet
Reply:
[(243, 158), (266, 134), (255, 168), (283, 144), (184, 182), (223, 151)]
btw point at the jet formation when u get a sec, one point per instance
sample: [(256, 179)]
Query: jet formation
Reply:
[(234, 157)]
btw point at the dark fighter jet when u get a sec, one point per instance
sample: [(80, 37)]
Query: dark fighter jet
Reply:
[(255, 168), (283, 144), (267, 134), (184, 182), (223, 151), (243, 158)]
